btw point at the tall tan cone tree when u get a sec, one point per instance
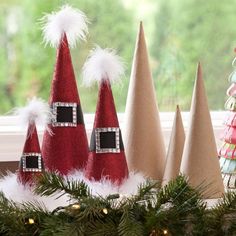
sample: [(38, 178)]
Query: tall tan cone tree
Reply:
[(144, 145), (175, 149), (200, 160)]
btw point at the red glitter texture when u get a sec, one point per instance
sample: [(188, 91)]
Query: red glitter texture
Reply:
[(67, 149), (112, 166), (31, 145)]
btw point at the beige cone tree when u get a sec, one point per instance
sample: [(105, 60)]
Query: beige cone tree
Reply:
[(143, 139), (175, 149), (200, 160)]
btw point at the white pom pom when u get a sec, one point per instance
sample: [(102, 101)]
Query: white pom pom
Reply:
[(102, 64), (68, 20), (36, 111)]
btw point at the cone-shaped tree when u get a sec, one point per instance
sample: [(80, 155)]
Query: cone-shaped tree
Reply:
[(200, 162), (175, 149), (227, 152), (143, 139)]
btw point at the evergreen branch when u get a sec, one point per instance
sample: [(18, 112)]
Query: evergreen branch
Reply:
[(177, 209), (56, 225), (129, 225), (12, 219), (179, 200), (105, 227), (52, 183), (222, 217), (147, 191)]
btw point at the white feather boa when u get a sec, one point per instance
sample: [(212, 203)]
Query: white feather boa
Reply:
[(19, 193)]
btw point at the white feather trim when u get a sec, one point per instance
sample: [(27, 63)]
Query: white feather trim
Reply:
[(68, 20), (36, 111), (105, 187), (19, 193), (102, 64)]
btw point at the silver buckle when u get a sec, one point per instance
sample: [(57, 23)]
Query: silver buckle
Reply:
[(98, 143), (55, 123), (24, 157)]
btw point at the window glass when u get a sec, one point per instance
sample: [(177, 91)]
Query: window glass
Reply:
[(178, 33)]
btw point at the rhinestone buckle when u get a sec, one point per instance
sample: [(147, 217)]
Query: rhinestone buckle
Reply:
[(57, 105), (100, 149), (24, 162)]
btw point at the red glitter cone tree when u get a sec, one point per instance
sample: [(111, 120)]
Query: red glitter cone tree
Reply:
[(35, 113), (106, 157), (67, 149)]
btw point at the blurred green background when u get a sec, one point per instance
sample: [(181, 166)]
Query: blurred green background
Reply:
[(179, 33)]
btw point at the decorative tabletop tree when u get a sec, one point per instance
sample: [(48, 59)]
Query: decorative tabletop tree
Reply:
[(227, 151)]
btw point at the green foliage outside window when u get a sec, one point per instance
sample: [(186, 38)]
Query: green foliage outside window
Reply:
[(179, 34)]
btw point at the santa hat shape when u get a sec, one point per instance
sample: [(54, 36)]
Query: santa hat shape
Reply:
[(67, 148), (107, 156), (31, 163), (200, 159)]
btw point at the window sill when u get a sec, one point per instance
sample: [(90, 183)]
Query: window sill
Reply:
[(12, 137)]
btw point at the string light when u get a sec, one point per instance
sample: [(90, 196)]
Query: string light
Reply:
[(165, 231), (31, 221), (75, 206), (105, 211)]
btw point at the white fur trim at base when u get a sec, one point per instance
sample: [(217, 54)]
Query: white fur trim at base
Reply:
[(13, 190), (105, 187), (19, 193)]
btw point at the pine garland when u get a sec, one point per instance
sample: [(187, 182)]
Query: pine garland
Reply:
[(176, 209)]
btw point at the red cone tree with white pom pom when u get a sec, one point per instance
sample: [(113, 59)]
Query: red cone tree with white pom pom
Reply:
[(31, 163), (107, 157), (67, 149)]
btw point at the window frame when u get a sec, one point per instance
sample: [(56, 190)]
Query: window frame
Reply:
[(12, 136)]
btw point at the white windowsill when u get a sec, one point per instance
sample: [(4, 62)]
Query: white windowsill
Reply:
[(12, 137)]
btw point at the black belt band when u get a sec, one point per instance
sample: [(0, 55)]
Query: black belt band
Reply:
[(106, 142), (80, 117), (65, 114), (31, 162)]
